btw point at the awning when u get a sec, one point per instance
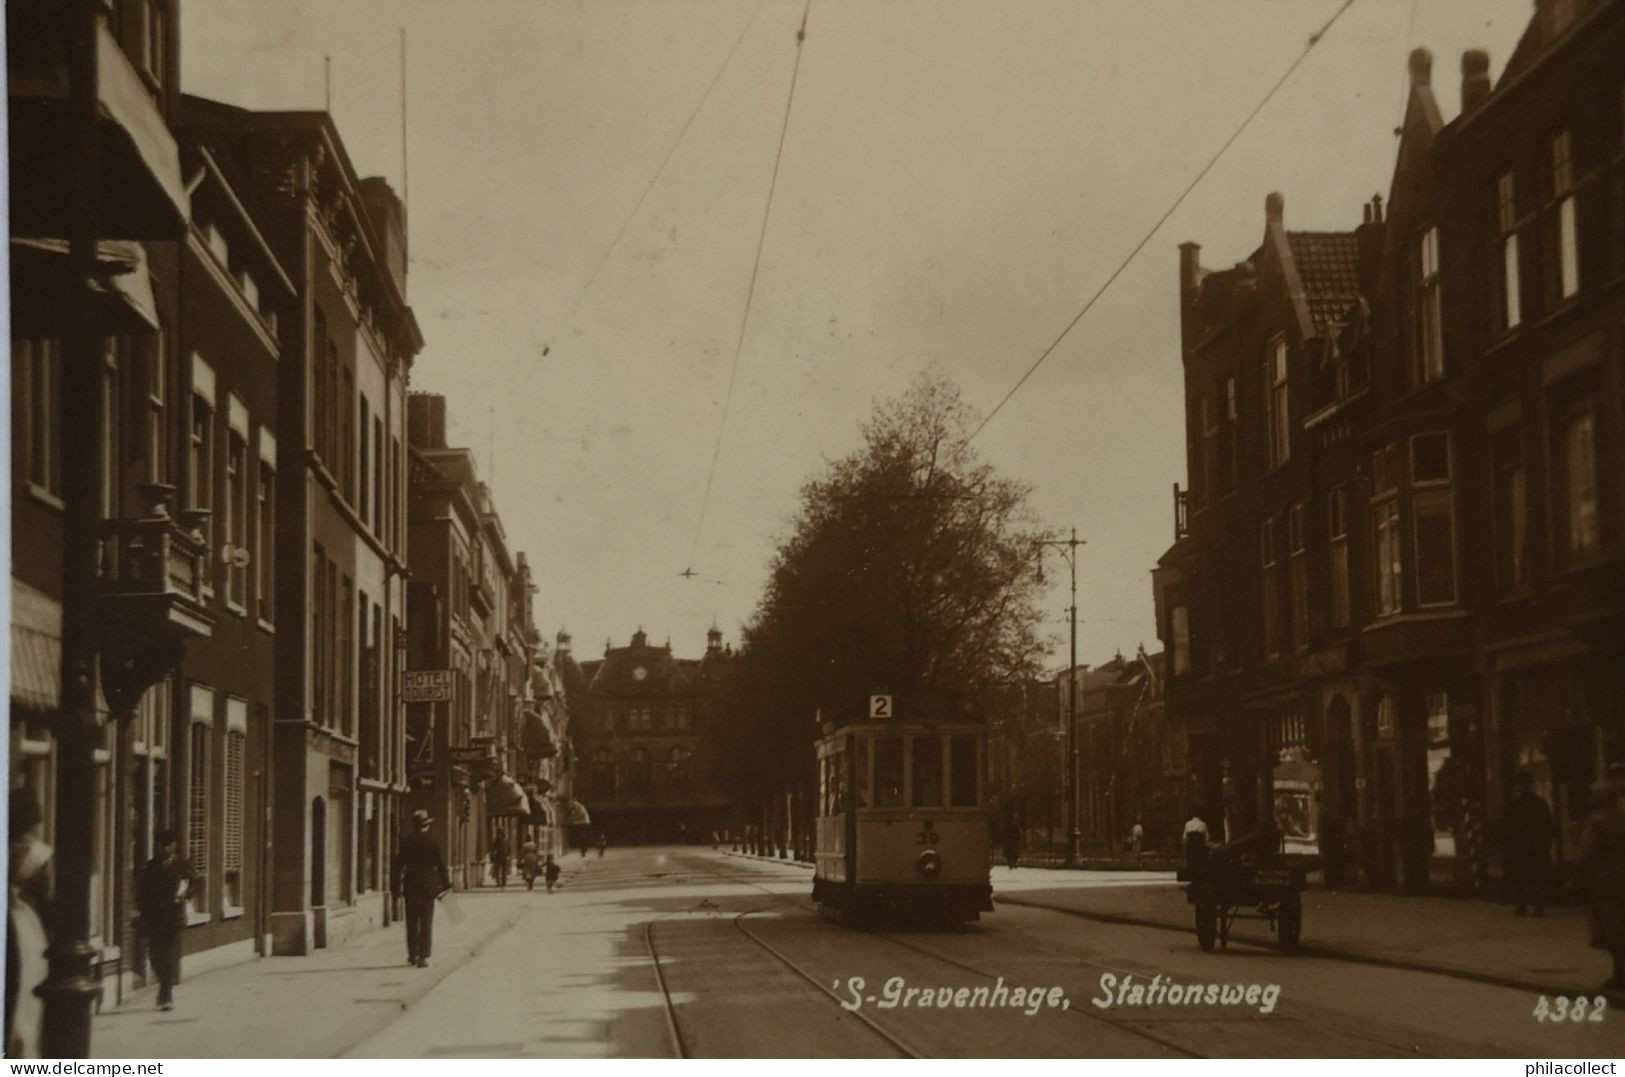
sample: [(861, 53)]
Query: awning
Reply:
[(503, 797), (578, 814), (142, 193), (40, 271), (534, 736), (36, 649)]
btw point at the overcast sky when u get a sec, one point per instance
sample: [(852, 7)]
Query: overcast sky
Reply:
[(957, 178)]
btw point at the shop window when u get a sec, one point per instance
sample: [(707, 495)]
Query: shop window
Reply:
[(1444, 776)]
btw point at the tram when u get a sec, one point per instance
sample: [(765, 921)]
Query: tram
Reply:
[(902, 822)]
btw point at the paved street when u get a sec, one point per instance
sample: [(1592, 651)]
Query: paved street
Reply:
[(751, 969)]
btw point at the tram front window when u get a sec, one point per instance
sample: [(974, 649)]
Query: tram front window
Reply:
[(888, 772), (928, 772), (962, 771)]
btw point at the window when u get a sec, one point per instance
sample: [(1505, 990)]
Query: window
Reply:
[(216, 241), (197, 801), (378, 517), (1299, 580), (962, 772), (264, 555), (1563, 265), (1337, 531), (144, 29), (346, 445), (1232, 434), (346, 658), (638, 779), (231, 820), (927, 772), (1271, 621), (1509, 306), (320, 401), (1209, 450), (200, 473), (235, 532), (1511, 513), (1428, 339), (364, 470), (1580, 484), (155, 436), (318, 634), (1277, 407), (37, 383), (251, 290), (888, 772), (1179, 618), (1386, 556), (1433, 520)]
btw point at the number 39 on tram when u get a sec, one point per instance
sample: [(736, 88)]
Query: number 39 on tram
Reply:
[(902, 826)]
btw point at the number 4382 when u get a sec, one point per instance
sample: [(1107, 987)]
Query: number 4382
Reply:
[(1573, 1010)]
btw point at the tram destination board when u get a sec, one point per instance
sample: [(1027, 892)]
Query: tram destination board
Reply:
[(426, 686)]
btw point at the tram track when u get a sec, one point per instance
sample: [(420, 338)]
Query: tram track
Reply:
[(1066, 954)]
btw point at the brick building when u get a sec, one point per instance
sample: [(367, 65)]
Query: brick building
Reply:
[(1396, 575)]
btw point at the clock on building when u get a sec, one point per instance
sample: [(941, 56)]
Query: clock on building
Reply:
[(638, 673)]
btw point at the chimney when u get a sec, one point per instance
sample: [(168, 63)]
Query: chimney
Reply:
[(1475, 78), (1421, 68), (1274, 207), (1190, 267), (426, 420), (1368, 240)]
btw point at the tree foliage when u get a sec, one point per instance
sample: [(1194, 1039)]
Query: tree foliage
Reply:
[(910, 566)]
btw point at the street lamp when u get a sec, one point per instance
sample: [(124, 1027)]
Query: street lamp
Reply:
[(1069, 550)]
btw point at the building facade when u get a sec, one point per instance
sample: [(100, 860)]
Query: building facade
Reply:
[(642, 750), (1396, 575)]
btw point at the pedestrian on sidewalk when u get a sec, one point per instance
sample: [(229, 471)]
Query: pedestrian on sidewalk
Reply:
[(1012, 843), (26, 940), (1600, 874), (527, 863), (499, 858), (166, 884), (1136, 836), (551, 872), (419, 876), (603, 843), (1529, 831)]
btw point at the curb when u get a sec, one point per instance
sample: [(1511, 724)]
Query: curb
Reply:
[(772, 859), (1330, 953)]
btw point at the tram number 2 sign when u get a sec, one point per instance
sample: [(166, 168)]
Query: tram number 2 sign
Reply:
[(880, 707)]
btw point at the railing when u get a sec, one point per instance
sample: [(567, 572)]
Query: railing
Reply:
[(1181, 512), (158, 556)]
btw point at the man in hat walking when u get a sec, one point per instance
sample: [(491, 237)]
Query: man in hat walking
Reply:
[(419, 876)]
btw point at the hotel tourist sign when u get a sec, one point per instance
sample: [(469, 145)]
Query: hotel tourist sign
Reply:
[(427, 686)]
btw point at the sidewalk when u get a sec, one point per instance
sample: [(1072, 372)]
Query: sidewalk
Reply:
[(1473, 940), (302, 1007)]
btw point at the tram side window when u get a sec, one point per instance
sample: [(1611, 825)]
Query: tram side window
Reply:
[(837, 784), (928, 772), (862, 768), (823, 784), (888, 772), (962, 771)]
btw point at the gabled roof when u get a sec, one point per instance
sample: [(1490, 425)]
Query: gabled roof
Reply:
[(1328, 265)]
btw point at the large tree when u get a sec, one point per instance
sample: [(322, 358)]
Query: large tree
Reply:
[(910, 566)]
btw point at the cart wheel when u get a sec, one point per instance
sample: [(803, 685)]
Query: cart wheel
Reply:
[(1290, 922), (1207, 924)]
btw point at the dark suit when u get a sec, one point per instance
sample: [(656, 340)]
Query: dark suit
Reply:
[(162, 899), (418, 875)]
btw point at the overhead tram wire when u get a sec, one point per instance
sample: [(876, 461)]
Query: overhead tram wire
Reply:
[(1314, 39), (671, 151), (750, 291)]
